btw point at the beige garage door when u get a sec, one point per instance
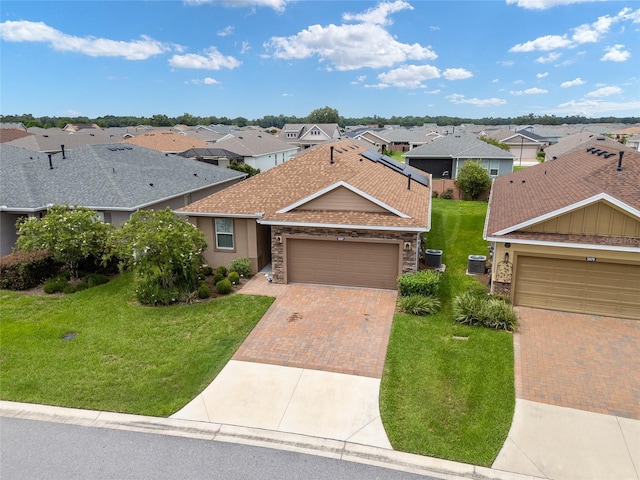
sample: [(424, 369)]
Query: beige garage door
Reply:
[(358, 264), (598, 288)]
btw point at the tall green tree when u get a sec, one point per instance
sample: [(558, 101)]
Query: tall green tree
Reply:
[(324, 115), (71, 234), (472, 179), (164, 251)]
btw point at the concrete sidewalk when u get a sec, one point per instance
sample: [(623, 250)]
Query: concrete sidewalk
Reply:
[(564, 443), (292, 400), (340, 450)]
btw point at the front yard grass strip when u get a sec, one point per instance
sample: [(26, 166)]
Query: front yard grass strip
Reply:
[(125, 357), (448, 389)]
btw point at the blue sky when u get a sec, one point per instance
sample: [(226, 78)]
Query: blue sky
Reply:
[(251, 58)]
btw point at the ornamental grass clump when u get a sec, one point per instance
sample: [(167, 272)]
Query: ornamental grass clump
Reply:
[(473, 309), (419, 305)]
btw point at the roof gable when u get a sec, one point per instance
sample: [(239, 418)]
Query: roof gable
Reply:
[(342, 197)]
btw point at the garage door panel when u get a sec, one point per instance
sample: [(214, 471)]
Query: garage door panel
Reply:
[(365, 264), (578, 286)]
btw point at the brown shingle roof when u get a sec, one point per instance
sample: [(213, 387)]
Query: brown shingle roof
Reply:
[(311, 172), (574, 177), (10, 134), (165, 141)]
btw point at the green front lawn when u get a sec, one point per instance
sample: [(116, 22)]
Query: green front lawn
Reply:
[(448, 389), (125, 357)]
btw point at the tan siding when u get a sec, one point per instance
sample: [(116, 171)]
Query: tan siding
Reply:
[(342, 199), (241, 236), (597, 219)]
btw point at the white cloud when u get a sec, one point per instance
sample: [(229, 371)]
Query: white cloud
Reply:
[(213, 60), (287, 94), (616, 54), (456, 74), (205, 81), (432, 92), (573, 83), (409, 76), (378, 15), (26, 31), (552, 57), (546, 43), (245, 47), (542, 75), (226, 31), (544, 4), (506, 63), (277, 5), (478, 102), (530, 91), (604, 92), (348, 47), (593, 108)]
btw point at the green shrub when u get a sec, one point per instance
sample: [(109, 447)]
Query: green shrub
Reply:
[(207, 270), (242, 266), (22, 270), (222, 270), (472, 309), (447, 194), (95, 279), (419, 305), (234, 278), (423, 282), (204, 291), (501, 315), (150, 292), (223, 287), (217, 277), (56, 285)]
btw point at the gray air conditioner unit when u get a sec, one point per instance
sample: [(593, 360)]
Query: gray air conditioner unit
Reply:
[(477, 264), (433, 258)]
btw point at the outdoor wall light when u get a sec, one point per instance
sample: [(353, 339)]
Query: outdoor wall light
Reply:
[(407, 245), (278, 239)]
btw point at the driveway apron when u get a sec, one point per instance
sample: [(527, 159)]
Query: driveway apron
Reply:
[(312, 365), (577, 411)]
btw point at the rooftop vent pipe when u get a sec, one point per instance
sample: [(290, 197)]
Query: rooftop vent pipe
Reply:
[(620, 161), (50, 163), (409, 182), (63, 156), (331, 158)]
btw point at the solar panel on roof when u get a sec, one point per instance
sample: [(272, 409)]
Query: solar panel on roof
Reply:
[(395, 166)]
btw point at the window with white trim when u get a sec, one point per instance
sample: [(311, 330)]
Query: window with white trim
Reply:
[(224, 233)]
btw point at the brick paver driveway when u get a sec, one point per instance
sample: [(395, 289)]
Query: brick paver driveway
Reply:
[(319, 327), (579, 361)]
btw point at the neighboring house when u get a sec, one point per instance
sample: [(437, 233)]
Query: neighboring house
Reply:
[(572, 142), (306, 135), (574, 244), (166, 141), (116, 180), (524, 145), (76, 127), (55, 140), (335, 214), (11, 134), (257, 149), (444, 156)]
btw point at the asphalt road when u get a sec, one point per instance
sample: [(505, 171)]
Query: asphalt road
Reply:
[(33, 450)]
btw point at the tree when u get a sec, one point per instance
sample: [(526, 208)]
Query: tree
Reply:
[(472, 179), (71, 234), (324, 115), (165, 253), (244, 168)]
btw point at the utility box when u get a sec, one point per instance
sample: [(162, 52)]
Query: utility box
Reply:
[(477, 264)]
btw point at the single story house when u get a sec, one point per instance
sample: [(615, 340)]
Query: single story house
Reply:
[(444, 156), (574, 244), (337, 214), (524, 144), (114, 179)]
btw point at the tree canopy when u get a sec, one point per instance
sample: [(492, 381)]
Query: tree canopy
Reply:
[(324, 115)]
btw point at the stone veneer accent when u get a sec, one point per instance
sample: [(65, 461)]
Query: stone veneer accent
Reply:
[(409, 257), (501, 288)]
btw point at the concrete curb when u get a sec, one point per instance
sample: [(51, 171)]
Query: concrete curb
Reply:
[(337, 449)]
